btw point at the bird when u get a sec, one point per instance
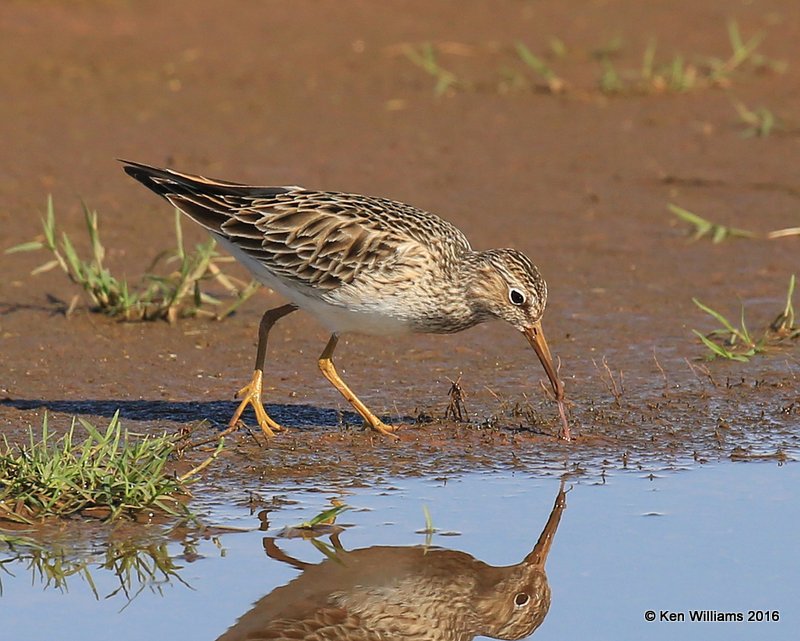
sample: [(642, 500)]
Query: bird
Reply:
[(359, 264), (414, 593)]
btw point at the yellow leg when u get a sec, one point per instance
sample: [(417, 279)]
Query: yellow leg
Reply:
[(329, 371), (251, 393)]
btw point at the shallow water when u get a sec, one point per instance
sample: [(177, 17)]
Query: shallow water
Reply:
[(715, 538)]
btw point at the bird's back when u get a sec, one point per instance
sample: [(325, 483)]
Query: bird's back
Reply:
[(315, 238)]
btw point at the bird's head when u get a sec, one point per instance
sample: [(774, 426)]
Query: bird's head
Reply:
[(516, 600), (509, 287), (517, 606)]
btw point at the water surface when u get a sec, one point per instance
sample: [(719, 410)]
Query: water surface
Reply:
[(717, 538)]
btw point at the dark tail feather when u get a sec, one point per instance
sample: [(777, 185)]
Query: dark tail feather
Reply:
[(167, 181), (201, 199), (207, 201)]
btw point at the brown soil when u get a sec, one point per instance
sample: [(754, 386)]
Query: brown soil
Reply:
[(320, 94)]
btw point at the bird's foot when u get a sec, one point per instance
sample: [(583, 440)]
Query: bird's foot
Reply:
[(251, 395), (379, 426)]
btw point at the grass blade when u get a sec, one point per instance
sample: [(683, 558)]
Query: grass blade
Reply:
[(716, 315), (30, 246)]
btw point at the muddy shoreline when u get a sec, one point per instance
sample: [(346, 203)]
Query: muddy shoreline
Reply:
[(579, 181)]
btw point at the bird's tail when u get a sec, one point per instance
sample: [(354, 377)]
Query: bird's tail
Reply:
[(207, 201)]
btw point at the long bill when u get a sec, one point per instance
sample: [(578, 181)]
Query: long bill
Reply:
[(538, 555), (536, 338)]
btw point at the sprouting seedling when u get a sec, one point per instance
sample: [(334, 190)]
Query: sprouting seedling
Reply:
[(760, 121), (424, 57), (704, 227), (741, 52), (540, 67), (784, 325), (326, 517), (610, 79), (678, 75), (682, 75), (736, 342), (648, 61)]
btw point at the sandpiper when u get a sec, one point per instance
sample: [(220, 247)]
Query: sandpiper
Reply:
[(359, 264), (403, 592)]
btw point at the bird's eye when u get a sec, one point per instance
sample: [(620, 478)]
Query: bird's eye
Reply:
[(521, 599), (516, 296)]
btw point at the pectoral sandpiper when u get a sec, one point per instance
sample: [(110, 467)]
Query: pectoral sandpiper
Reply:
[(359, 264), (411, 593)]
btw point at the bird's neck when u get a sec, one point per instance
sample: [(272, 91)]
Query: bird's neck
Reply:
[(480, 280)]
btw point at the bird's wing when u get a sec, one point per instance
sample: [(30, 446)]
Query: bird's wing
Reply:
[(325, 624), (318, 239)]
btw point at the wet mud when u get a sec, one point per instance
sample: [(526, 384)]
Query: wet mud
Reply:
[(305, 93)]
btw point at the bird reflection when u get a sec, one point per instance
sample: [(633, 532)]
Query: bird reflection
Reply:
[(412, 593)]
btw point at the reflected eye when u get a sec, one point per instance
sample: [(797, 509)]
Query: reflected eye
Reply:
[(516, 296), (521, 599)]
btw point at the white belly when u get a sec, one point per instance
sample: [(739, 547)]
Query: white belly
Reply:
[(336, 318)]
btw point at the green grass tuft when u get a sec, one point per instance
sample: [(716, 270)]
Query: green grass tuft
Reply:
[(732, 343), (737, 343), (109, 473), (174, 295)]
